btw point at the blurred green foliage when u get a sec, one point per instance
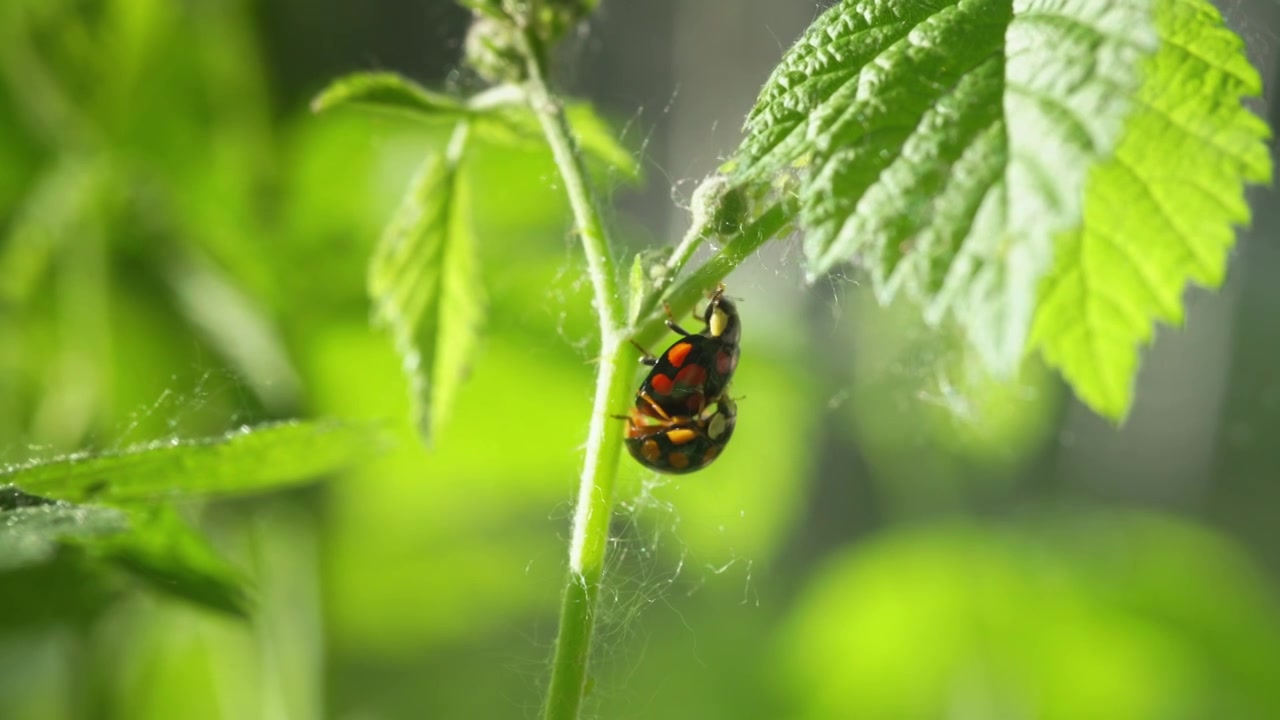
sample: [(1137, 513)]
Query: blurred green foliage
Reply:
[(1092, 617), (183, 253)]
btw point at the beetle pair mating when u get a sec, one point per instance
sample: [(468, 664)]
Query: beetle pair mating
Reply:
[(683, 416)]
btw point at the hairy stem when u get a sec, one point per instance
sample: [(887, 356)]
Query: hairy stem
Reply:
[(738, 247), (586, 213), (698, 232), (594, 507), (589, 543)]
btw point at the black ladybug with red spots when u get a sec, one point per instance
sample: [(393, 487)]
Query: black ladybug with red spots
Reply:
[(683, 417)]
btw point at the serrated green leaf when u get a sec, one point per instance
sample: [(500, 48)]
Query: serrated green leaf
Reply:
[(425, 286), (1159, 215), (242, 462), (32, 528), (945, 143), (390, 92)]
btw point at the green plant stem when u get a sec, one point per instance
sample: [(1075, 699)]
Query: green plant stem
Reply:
[(737, 248), (595, 243), (589, 544), (695, 236), (594, 508)]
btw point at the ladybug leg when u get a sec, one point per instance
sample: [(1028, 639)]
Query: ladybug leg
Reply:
[(671, 325), (655, 406), (671, 322), (645, 357)]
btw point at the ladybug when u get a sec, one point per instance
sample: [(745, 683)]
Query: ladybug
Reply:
[(680, 444), (683, 416), (695, 371)]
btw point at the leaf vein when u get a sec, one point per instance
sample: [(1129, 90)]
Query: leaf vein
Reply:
[(1063, 111), (1060, 21), (1140, 182)]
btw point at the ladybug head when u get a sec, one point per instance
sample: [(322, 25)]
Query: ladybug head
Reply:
[(722, 318)]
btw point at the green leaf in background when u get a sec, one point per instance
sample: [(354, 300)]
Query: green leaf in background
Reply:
[(946, 143), (599, 141), (52, 215), (1127, 617), (67, 589), (153, 544), (516, 126), (389, 92), (32, 528), (1160, 213), (425, 285), (492, 8), (936, 430), (236, 326), (498, 115), (245, 461), (165, 552)]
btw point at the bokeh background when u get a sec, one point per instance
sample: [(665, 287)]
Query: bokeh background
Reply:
[(890, 535)]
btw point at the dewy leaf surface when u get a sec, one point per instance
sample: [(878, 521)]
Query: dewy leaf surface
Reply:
[(1159, 215), (945, 143), (241, 462), (425, 285), (31, 528)]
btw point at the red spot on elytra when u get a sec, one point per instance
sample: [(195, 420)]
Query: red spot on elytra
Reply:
[(662, 384), (692, 376), (678, 353), (725, 362)]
